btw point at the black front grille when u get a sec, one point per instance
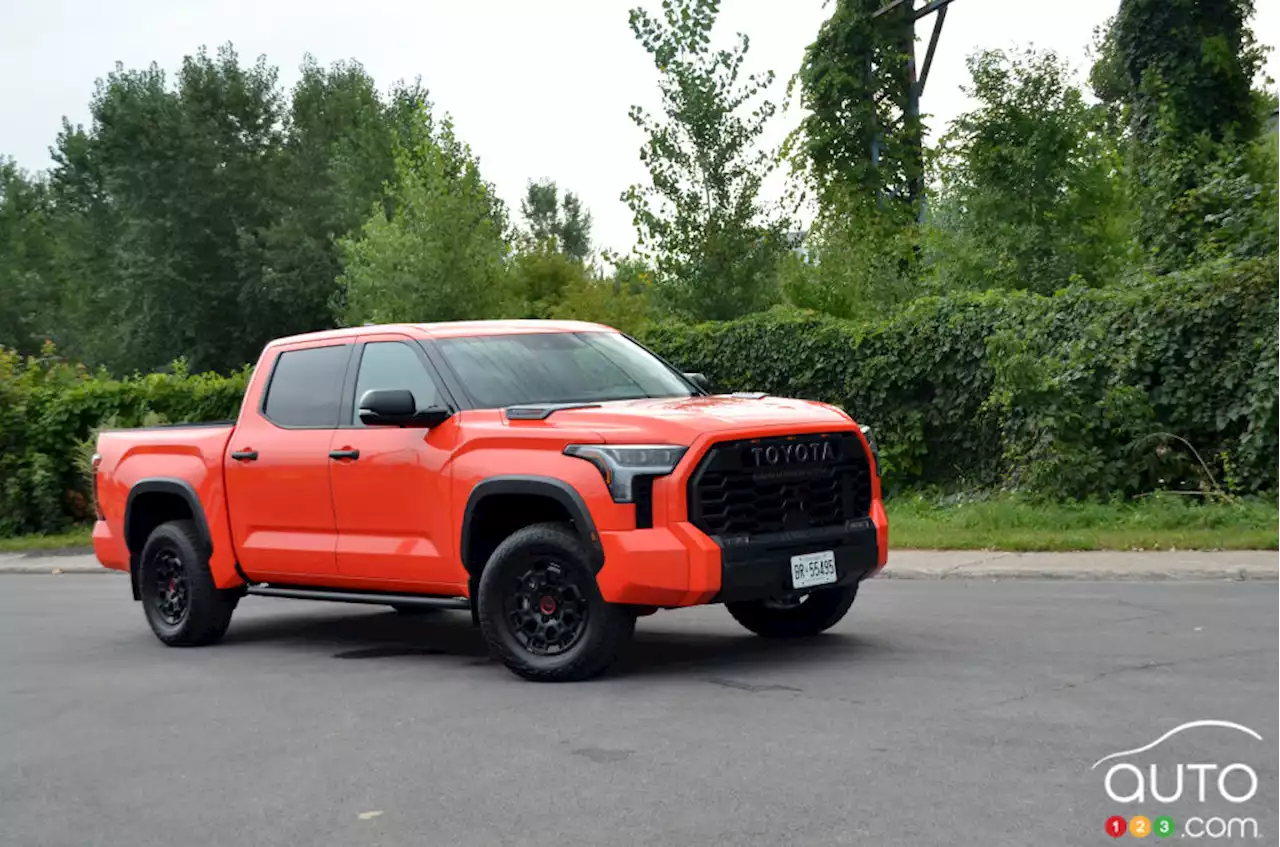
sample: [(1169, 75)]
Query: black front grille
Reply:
[(770, 485)]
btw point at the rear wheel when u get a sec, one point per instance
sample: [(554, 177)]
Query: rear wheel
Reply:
[(541, 611), (182, 605), (808, 615)]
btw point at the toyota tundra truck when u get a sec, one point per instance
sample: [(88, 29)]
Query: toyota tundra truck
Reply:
[(555, 478)]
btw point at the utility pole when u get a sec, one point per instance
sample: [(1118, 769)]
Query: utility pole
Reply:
[(916, 86)]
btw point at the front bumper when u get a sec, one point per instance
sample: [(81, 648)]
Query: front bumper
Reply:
[(761, 569), (679, 565)]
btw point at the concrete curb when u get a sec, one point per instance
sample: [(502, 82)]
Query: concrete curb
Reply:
[(1237, 565)]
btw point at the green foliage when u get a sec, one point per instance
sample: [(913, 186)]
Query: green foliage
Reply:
[(26, 246), (714, 249), (439, 253), (1186, 69), (50, 410), (607, 301), (561, 224), (1029, 196), (171, 184), (338, 152), (858, 137), (543, 277), (856, 262), (197, 215), (1062, 396)]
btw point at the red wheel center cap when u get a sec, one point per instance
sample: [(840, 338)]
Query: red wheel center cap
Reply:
[(173, 583), (547, 605)]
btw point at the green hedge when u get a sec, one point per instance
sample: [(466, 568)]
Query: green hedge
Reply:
[(1086, 393), (49, 413)]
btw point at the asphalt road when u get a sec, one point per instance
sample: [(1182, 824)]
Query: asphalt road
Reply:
[(949, 712)]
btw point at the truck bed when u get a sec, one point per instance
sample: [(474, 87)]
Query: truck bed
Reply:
[(187, 455)]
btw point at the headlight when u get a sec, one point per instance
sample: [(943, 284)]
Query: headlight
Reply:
[(871, 442), (620, 465)]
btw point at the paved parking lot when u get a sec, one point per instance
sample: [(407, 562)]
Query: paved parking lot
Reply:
[(938, 712)]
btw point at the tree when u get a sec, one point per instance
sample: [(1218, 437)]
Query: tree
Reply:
[(170, 194), (858, 139), (701, 219), (565, 224), (26, 245), (1186, 69), (338, 152), (436, 249), (1029, 196)]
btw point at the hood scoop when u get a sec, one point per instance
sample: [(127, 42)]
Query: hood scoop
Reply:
[(542, 412)]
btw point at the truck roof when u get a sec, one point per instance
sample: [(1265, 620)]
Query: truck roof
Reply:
[(451, 329)]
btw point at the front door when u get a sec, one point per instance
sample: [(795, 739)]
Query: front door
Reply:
[(391, 492), (278, 466)]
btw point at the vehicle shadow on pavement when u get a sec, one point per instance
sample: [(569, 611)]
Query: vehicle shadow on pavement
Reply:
[(367, 635), (672, 653), (381, 635)]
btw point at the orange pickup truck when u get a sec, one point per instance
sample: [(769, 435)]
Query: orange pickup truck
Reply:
[(557, 479)]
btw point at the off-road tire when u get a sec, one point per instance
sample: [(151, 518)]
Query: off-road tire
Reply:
[(604, 628), (820, 611), (206, 610)]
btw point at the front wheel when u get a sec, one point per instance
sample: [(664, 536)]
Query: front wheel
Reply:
[(811, 614), (541, 611), (182, 605)]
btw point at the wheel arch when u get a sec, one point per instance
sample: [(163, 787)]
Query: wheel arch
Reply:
[(152, 502), (541, 498)]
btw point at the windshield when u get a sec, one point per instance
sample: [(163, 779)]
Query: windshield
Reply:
[(558, 367)]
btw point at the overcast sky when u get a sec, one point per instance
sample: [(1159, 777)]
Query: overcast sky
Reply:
[(537, 87)]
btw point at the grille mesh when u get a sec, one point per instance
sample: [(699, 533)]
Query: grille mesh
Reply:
[(737, 490)]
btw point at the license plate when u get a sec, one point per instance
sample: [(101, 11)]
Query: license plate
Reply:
[(812, 569)]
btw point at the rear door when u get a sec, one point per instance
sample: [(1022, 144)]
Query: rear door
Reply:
[(277, 465), (391, 491)]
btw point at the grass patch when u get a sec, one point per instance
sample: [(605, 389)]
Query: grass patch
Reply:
[(24, 543), (1165, 522)]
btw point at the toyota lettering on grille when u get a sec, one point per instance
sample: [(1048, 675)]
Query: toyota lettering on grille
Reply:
[(799, 453)]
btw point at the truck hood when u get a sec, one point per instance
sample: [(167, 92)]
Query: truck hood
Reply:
[(681, 420)]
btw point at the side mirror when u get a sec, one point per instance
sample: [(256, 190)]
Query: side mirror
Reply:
[(396, 407), (699, 380)]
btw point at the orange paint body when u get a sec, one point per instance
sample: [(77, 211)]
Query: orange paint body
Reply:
[(392, 519)]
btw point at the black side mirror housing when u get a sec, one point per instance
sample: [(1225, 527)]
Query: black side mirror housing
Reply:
[(699, 380), (396, 407)]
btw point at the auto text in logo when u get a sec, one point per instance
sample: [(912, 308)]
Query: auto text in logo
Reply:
[(1128, 779)]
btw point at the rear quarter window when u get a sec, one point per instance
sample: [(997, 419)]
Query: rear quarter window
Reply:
[(306, 387)]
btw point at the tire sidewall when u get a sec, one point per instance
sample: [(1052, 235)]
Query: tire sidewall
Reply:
[(818, 613), (519, 552), (165, 537)]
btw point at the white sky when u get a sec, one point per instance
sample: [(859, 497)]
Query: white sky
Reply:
[(538, 88)]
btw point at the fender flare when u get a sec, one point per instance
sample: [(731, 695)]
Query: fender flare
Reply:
[(167, 485), (539, 486)]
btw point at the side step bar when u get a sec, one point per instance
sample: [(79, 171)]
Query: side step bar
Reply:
[(360, 597)]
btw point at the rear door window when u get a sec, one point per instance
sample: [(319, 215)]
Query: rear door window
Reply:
[(306, 387)]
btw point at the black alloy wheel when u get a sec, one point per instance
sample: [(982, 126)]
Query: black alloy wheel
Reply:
[(169, 594), (546, 610)]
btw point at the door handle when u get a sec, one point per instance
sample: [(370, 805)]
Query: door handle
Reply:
[(344, 454), (245, 455)]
